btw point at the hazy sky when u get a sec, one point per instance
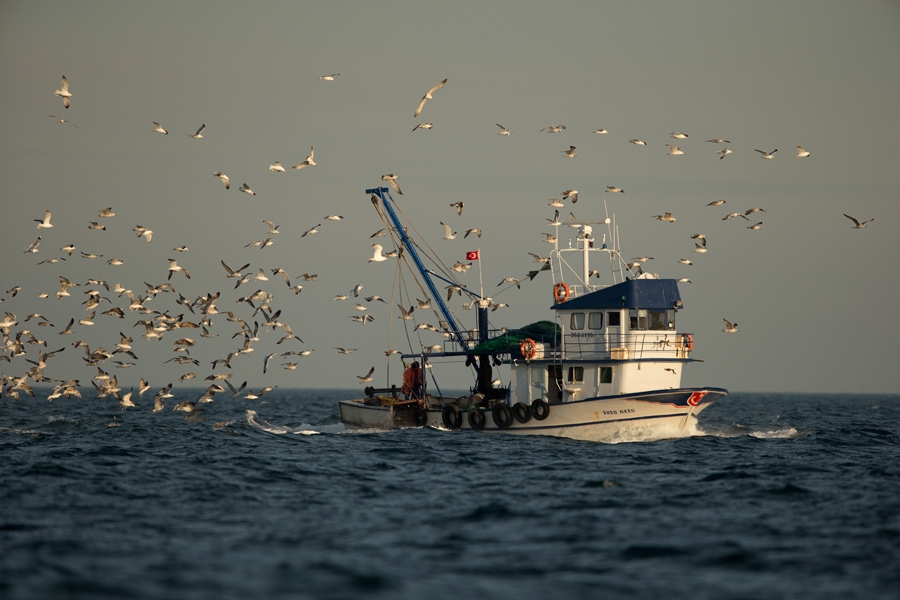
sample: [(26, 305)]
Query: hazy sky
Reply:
[(816, 301)]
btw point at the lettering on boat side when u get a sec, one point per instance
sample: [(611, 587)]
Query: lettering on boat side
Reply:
[(618, 412), (585, 334)]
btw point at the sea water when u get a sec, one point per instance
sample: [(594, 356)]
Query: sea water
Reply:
[(782, 496)]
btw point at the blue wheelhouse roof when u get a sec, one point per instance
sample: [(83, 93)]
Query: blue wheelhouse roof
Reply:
[(635, 293)]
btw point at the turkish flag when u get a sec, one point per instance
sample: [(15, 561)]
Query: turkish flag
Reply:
[(472, 255)]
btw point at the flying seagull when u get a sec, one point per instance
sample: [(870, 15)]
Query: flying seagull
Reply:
[(423, 126), (392, 179), (309, 162), (64, 121), (448, 234), (33, 248), (730, 327), (674, 150), (859, 225), (63, 91), (801, 153), (367, 377), (329, 77), (767, 155), (225, 180), (723, 152), (246, 189), (428, 96), (570, 153), (277, 168), (504, 130), (377, 257), (45, 224), (159, 129), (197, 134)]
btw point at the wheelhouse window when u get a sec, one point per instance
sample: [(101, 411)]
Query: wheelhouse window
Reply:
[(654, 320), (577, 321), (638, 318), (662, 319), (605, 374), (613, 319), (576, 374), (595, 320)]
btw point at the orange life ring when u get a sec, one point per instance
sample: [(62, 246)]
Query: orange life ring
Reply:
[(687, 342), (560, 292), (528, 348)]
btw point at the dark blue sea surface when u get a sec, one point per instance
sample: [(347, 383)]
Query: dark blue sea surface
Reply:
[(786, 496)]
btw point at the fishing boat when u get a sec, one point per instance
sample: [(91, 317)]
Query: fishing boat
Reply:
[(605, 366)]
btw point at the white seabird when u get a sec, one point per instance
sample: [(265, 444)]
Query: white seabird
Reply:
[(723, 152), (673, 150), (312, 231), (309, 162), (570, 153), (276, 167), (45, 224), (448, 233), (159, 129), (801, 153), (767, 155), (33, 248), (329, 77), (392, 179), (858, 224), (246, 189), (377, 257), (197, 134), (63, 91), (225, 181), (367, 377), (504, 130), (423, 126), (428, 96), (61, 120), (730, 327)]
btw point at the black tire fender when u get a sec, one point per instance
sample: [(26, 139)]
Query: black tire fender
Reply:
[(521, 412), (451, 417), (540, 410), (502, 416), (476, 419), (419, 417)]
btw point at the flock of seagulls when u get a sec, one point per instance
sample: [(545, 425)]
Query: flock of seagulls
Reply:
[(161, 310)]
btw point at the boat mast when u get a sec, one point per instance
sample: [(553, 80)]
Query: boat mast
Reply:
[(384, 195)]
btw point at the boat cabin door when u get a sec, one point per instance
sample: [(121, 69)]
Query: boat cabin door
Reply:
[(554, 384)]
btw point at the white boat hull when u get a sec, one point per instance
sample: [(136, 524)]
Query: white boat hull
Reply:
[(645, 416)]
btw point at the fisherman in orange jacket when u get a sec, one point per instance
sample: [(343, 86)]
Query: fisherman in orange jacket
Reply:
[(412, 382)]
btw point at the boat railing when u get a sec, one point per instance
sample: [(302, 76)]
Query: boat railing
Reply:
[(600, 346), (577, 290), (627, 346)]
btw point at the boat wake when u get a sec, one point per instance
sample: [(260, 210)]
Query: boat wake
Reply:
[(254, 421), (784, 432)]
